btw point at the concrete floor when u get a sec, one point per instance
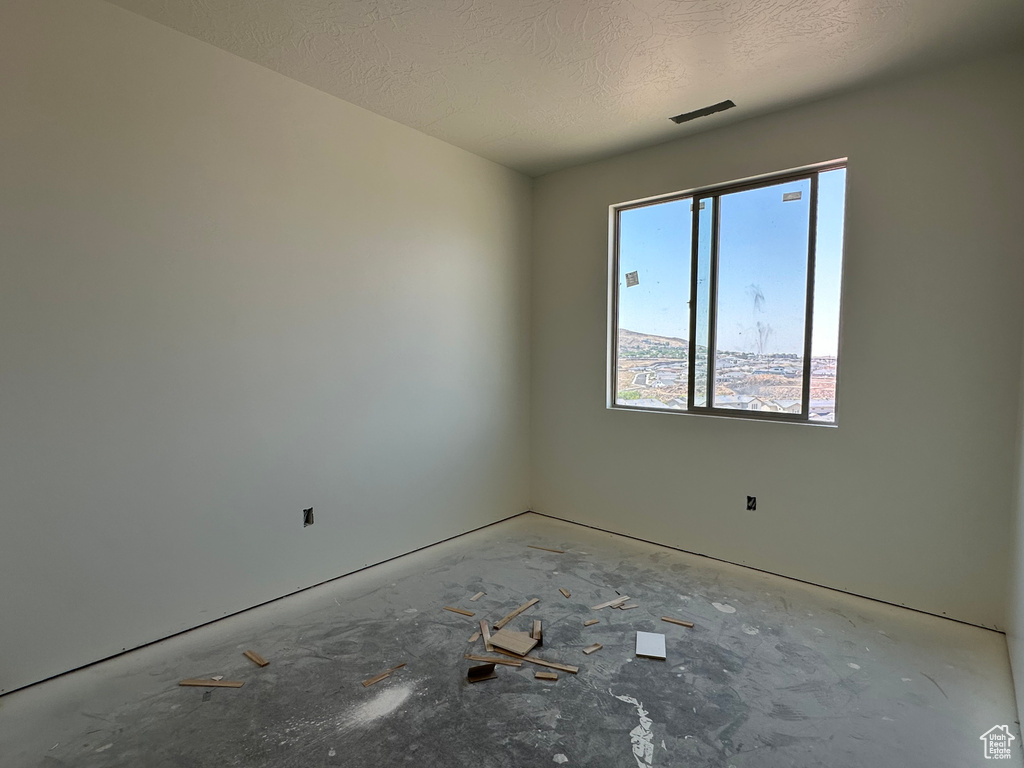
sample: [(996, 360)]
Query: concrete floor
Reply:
[(774, 673)]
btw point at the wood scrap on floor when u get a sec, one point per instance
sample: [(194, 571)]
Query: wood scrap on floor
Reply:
[(547, 549), (482, 672), (650, 644), (381, 676), (565, 592), (474, 637), (611, 603), (591, 648), (210, 683), (494, 660), (536, 633), (541, 662), (680, 622), (627, 607), (255, 658), (459, 610), (591, 622), (517, 642), (502, 622), (486, 635), (476, 597), (546, 675)]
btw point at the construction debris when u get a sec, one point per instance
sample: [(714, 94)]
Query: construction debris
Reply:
[(255, 658), (541, 662), (650, 644), (627, 607), (591, 648), (546, 675), (611, 603), (476, 597), (502, 622), (486, 635), (547, 549), (459, 610), (517, 642), (536, 632), (591, 622), (212, 683), (381, 676), (482, 672), (565, 592), (494, 660), (680, 622), (474, 637)]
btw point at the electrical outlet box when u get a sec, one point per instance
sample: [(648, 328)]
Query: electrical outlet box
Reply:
[(751, 503)]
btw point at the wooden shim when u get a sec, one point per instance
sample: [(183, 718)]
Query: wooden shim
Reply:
[(494, 660), (610, 603), (627, 607), (517, 642), (547, 549), (502, 622), (536, 633), (474, 637), (565, 593), (459, 610), (476, 597), (541, 662), (590, 649), (381, 676), (377, 679), (255, 658), (546, 675), (482, 672), (487, 636), (680, 622), (591, 622), (212, 683)]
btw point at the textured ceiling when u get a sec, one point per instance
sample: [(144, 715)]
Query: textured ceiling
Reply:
[(541, 84)]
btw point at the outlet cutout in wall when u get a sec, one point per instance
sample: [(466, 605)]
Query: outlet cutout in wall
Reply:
[(751, 503), (307, 517)]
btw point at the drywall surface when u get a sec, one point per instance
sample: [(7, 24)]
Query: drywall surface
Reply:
[(1015, 628), (909, 499), (225, 297)]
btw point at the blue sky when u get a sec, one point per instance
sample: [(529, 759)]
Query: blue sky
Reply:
[(762, 259)]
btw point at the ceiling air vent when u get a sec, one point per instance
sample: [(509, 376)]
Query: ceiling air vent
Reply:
[(719, 107)]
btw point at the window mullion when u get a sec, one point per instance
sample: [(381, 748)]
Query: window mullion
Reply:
[(691, 352), (812, 236)]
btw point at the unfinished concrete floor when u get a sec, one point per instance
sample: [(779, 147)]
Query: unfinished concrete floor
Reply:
[(773, 673)]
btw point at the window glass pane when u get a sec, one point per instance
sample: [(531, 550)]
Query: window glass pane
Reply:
[(761, 298), (828, 266), (700, 379), (653, 311)]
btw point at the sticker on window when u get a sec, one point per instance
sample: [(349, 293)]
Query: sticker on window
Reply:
[(632, 278)]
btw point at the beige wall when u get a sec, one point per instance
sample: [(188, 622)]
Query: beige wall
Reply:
[(909, 499), (224, 297)]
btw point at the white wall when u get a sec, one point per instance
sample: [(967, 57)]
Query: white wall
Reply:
[(909, 499), (224, 297)]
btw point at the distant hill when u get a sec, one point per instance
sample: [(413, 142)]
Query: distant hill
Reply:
[(626, 335)]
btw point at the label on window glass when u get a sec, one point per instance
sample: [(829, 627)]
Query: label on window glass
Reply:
[(632, 278), (787, 196)]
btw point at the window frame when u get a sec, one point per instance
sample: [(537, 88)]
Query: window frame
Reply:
[(713, 194)]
